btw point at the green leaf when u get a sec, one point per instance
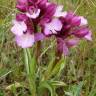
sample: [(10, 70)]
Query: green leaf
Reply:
[(31, 68), (49, 69), (46, 84), (58, 68), (58, 83)]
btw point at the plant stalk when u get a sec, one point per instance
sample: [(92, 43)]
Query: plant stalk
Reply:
[(30, 75)]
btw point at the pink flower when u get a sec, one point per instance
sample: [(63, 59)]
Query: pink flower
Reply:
[(67, 27), (73, 29)]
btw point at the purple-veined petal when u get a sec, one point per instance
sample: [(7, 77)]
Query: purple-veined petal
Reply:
[(25, 40), (52, 27), (59, 12), (56, 24), (47, 31), (19, 27)]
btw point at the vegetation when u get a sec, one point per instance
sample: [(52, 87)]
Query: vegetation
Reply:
[(79, 73)]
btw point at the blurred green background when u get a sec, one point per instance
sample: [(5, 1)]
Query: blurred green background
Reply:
[(80, 71)]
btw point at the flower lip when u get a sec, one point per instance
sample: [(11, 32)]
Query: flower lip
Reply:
[(33, 12), (25, 40), (53, 27)]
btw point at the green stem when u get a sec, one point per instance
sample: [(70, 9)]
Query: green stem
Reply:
[(30, 71)]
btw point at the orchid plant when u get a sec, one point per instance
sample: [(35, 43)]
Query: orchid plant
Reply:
[(38, 20)]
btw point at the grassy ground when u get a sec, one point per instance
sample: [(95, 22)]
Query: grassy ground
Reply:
[(80, 70)]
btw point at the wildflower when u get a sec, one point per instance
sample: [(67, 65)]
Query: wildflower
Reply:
[(67, 27), (73, 29)]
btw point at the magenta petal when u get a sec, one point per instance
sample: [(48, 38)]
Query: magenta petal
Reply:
[(21, 7), (42, 3), (22, 1), (62, 47), (81, 32), (50, 11), (75, 21), (65, 49), (21, 17), (39, 36), (72, 42)]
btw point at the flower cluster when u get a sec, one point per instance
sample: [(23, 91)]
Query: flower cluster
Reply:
[(51, 20)]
